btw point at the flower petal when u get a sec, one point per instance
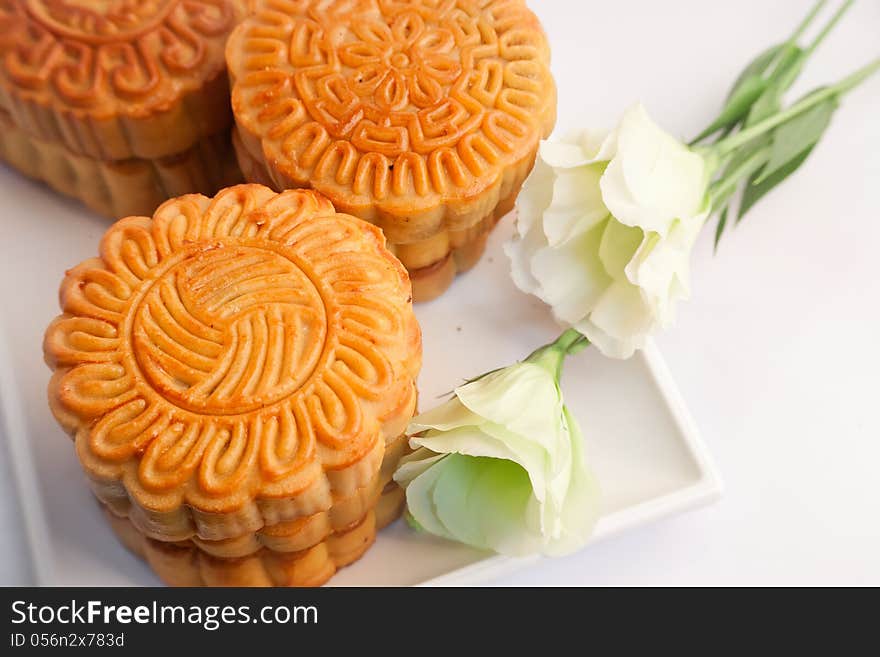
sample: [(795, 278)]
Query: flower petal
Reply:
[(414, 464), (513, 477), (608, 346), (499, 427), (470, 441), (451, 498), (653, 178), (534, 197), (618, 246), (585, 147), (599, 145), (520, 252), (420, 500), (486, 503), (576, 205), (499, 444), (572, 278), (451, 414), (533, 200), (562, 154), (581, 509), (523, 398), (620, 321), (661, 267)]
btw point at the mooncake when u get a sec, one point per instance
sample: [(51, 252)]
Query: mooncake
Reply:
[(184, 564), (422, 117), (237, 373), (120, 188), (117, 95)]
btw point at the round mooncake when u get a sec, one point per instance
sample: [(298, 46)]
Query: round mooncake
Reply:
[(119, 103), (237, 373), (117, 79), (121, 187), (422, 117), (183, 564)]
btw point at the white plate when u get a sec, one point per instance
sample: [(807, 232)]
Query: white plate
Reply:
[(641, 440)]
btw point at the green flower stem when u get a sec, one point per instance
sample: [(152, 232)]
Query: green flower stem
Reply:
[(799, 32), (787, 76), (727, 145), (827, 29), (570, 338), (771, 73), (577, 347), (792, 43), (551, 356), (723, 188)]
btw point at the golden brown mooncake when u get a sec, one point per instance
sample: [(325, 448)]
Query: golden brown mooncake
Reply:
[(122, 187), (235, 363), (184, 564), (382, 495), (121, 104), (117, 79), (422, 117), (304, 552)]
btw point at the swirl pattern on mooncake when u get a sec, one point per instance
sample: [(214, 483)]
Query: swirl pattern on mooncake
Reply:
[(234, 362)]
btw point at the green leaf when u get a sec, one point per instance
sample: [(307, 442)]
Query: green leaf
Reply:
[(737, 106), (756, 68), (739, 160), (783, 77), (747, 159), (742, 154), (722, 222), (796, 135), (755, 191), (748, 87)]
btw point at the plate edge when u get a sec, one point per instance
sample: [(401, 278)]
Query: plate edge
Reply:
[(708, 488), (24, 473)]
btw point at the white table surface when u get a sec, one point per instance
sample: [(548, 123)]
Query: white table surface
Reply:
[(778, 351)]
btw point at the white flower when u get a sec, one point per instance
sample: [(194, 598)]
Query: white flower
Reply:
[(605, 227), (500, 466)]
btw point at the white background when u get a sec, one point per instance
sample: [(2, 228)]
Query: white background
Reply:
[(777, 352)]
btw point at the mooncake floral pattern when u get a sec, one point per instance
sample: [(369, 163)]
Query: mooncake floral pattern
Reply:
[(372, 100), (252, 344), (89, 54), (401, 63)]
